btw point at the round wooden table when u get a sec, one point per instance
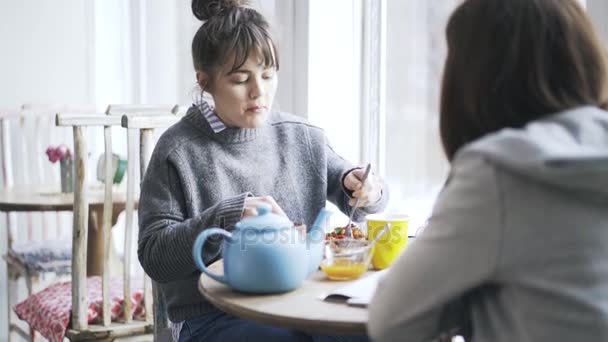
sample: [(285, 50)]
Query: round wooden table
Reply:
[(300, 309), (22, 199)]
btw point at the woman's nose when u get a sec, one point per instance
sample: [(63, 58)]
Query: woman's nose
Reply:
[(257, 89)]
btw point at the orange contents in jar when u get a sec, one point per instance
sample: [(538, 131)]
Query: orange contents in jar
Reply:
[(343, 269)]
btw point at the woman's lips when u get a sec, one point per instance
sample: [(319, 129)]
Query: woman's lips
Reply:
[(256, 109)]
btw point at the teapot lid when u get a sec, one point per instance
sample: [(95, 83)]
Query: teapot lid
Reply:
[(265, 220)]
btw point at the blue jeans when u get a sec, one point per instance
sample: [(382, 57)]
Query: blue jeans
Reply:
[(221, 327)]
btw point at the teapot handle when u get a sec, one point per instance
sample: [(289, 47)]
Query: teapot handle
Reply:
[(197, 250)]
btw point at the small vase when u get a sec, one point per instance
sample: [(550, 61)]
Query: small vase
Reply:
[(67, 175)]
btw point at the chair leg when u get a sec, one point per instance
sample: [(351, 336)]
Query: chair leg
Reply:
[(12, 291), (30, 281), (5, 242), (8, 306), (14, 328)]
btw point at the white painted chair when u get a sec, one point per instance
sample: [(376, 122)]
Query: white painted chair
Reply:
[(79, 292), (140, 109), (146, 125), (147, 112), (180, 110), (80, 329), (145, 122), (26, 133)]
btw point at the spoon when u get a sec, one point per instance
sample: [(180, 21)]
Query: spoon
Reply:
[(370, 245), (349, 231)]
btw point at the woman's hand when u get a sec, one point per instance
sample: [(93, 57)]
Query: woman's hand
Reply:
[(251, 204), (368, 193)]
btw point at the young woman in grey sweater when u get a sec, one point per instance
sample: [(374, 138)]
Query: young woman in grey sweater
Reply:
[(219, 162), (517, 246)]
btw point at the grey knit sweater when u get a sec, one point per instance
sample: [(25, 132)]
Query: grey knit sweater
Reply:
[(197, 179)]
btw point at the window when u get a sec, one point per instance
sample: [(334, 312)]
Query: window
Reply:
[(334, 50), (370, 74), (373, 85), (409, 54), (415, 53)]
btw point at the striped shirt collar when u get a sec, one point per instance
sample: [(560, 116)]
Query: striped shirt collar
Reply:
[(209, 113)]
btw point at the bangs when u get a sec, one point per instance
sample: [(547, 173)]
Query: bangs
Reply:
[(247, 41)]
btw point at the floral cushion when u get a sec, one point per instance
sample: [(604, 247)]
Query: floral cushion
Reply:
[(48, 311), (43, 256)]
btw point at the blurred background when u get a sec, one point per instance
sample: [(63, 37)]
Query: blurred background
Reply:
[(366, 71)]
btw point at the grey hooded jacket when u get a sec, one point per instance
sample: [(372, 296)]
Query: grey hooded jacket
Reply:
[(517, 242)]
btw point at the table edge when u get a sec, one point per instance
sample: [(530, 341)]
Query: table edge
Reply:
[(337, 328)]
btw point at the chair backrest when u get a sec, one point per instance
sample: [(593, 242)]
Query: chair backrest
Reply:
[(180, 110), (134, 177), (146, 126), (26, 132), (141, 109), (80, 123)]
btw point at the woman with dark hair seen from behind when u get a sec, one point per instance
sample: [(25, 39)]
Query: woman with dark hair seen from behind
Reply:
[(223, 159), (517, 244)]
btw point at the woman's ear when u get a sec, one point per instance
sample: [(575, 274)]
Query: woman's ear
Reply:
[(203, 80)]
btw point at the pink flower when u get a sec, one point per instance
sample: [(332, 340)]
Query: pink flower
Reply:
[(61, 152)]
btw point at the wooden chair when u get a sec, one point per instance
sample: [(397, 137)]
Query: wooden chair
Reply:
[(162, 115), (146, 125), (25, 134), (80, 329), (180, 110), (146, 110)]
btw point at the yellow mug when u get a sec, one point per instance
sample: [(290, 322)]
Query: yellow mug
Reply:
[(388, 248)]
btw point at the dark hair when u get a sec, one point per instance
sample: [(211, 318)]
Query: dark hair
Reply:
[(230, 28), (514, 61)]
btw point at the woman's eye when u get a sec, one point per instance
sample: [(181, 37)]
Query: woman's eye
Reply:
[(239, 80), (268, 76)]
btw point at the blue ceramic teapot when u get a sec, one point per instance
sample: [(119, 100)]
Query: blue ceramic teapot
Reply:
[(266, 253)]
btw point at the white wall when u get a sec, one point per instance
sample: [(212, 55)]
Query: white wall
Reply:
[(46, 56), (599, 13)]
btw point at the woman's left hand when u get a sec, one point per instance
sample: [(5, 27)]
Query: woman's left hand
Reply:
[(368, 193)]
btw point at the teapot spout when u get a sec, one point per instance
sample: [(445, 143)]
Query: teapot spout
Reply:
[(315, 240)]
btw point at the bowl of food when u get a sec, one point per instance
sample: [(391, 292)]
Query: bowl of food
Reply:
[(339, 233), (346, 258)]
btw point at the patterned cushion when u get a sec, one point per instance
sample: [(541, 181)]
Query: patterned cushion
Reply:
[(48, 311), (43, 256)]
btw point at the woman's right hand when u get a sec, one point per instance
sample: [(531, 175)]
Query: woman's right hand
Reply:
[(251, 204)]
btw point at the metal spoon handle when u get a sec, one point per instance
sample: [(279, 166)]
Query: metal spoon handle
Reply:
[(349, 232), (382, 232), (370, 245)]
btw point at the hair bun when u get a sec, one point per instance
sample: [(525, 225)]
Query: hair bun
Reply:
[(205, 9)]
